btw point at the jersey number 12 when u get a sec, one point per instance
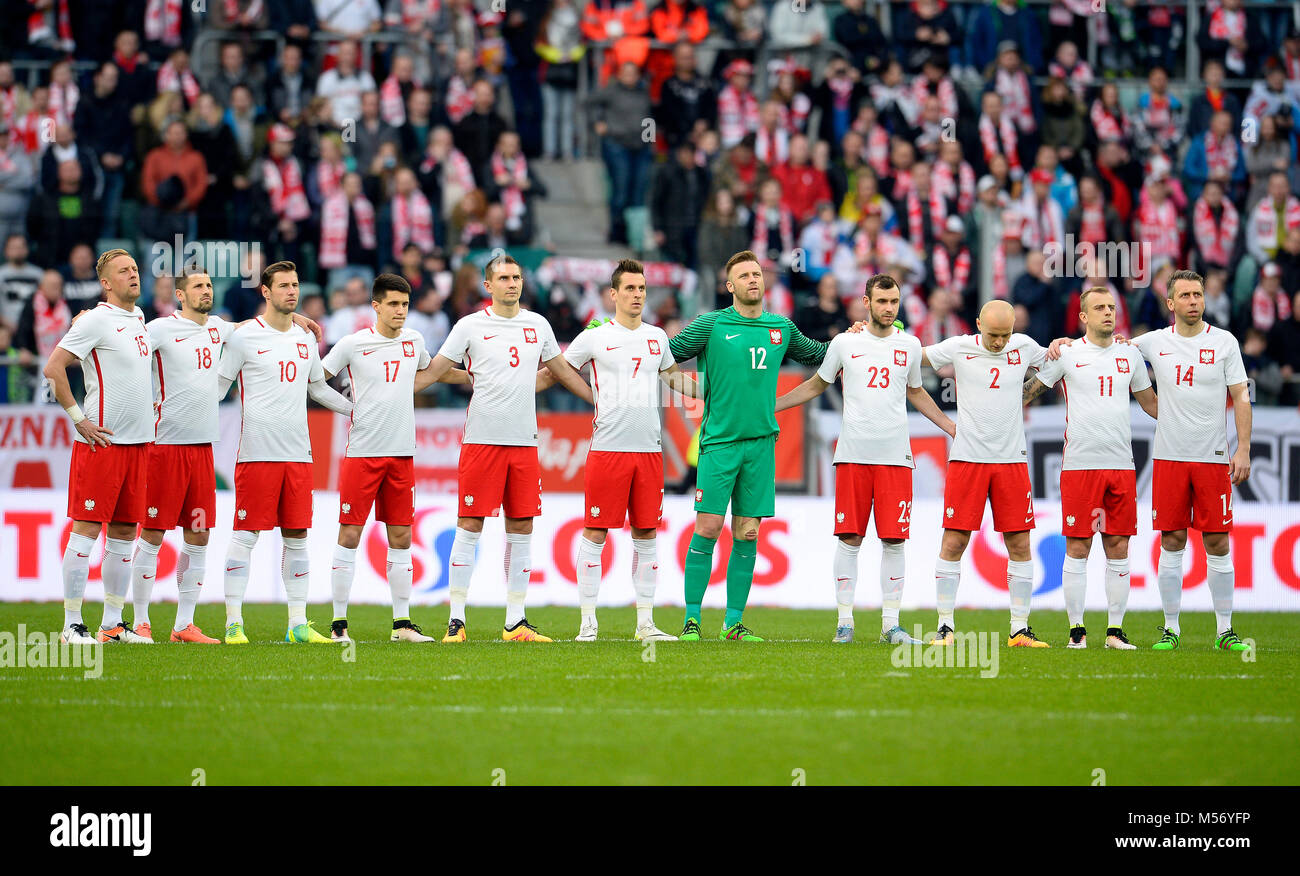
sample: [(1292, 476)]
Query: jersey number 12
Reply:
[(758, 358)]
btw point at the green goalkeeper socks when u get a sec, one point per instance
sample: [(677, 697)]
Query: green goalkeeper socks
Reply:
[(699, 566), (740, 575)]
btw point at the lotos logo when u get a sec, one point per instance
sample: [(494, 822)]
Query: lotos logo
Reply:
[(302, 351), (1121, 365), (1207, 357), (1013, 357), (530, 336), (215, 335), (900, 357), (776, 336), (653, 345), (408, 348)]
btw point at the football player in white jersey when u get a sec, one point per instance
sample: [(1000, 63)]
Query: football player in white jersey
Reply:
[(873, 457), (378, 466), (988, 461), (110, 453), (502, 347), (278, 367), (1098, 484), (183, 491), (1196, 366), (624, 473)]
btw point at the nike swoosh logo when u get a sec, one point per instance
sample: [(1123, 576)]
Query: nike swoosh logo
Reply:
[(260, 352), (83, 555), (607, 349), (180, 340), (367, 352), (858, 355), (233, 568), (729, 337), (122, 329), (972, 357), (1166, 354), (841, 579), (460, 564), (592, 565), (146, 577), (334, 568), (1080, 364), (126, 559), (1123, 574), (701, 553), (299, 574), (488, 337), (899, 578), (525, 570)]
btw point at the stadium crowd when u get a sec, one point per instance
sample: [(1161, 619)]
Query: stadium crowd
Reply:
[(950, 154)]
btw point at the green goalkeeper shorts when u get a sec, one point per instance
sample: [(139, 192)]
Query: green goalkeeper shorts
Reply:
[(741, 474)]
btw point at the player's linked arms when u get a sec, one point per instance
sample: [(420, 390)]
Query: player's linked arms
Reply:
[(678, 380), (804, 392), (1033, 388)]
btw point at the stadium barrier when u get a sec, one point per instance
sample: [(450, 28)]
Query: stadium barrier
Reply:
[(793, 570)]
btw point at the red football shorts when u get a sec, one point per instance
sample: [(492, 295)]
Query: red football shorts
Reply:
[(386, 482), (108, 484), (495, 476), (183, 489), (859, 488), (618, 485), (1190, 494), (1098, 500), (271, 494), (1004, 484)]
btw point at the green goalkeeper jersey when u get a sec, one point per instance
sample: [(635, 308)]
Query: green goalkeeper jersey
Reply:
[(740, 360)]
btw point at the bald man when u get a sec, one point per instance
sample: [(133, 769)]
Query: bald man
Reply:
[(988, 460)]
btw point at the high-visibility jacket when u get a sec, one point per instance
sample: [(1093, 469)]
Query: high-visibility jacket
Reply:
[(627, 24)]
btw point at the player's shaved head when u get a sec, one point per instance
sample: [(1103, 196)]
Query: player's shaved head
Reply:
[(996, 322)]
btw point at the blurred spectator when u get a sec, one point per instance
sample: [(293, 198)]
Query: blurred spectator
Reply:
[(1288, 260), (64, 93), (821, 242), (789, 92), (18, 279), (243, 299), (677, 198), (998, 134), (344, 84), (279, 176), (411, 267), (789, 26), (1273, 97), (371, 131), (838, 97), (1158, 220), (688, 104), (428, 318), (135, 80), (421, 118), (44, 321), (1218, 303), (1063, 123), (296, 19), (802, 184), (924, 28), (1159, 121), (477, 133), (1001, 20), (1067, 65), (248, 126), (1034, 291), (213, 140), (1271, 152), (737, 105), (65, 148), (1110, 122), (110, 143), (1276, 214), (1260, 368), (459, 89), (771, 227), (1231, 35), (509, 181), (724, 231), (17, 181), (356, 313), (1046, 223), (67, 216), (240, 15), (619, 111), (81, 287), (1121, 178), (1092, 220), (559, 44), (13, 96), (1269, 303), (445, 177), (1284, 349), (823, 318), (167, 27), (235, 70), (950, 265), (350, 18), (671, 22), (1215, 154), (347, 234), (940, 321), (496, 232), (1213, 98), (397, 88), (771, 140), (288, 89), (33, 130), (412, 217), (745, 24)]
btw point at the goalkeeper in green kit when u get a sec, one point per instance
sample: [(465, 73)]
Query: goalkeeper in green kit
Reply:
[(740, 351)]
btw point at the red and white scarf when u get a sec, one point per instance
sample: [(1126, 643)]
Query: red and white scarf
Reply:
[(1158, 225), (9, 105), (53, 24), (412, 223), (956, 185), (419, 14), (460, 99), (1109, 126), (737, 115), (1158, 117), (283, 180), (334, 227), (1092, 223), (1267, 309), (169, 79), (252, 7), (162, 22), (63, 102), (1215, 238), (28, 130), (52, 322), (1079, 76), (1000, 139), (944, 89), (876, 151), (876, 256), (329, 177), (794, 115), (512, 195), (1220, 154), (392, 105), (1291, 63), (1264, 220), (1016, 99), (1229, 25), (760, 243), (1044, 223), (930, 331), (902, 184), (456, 168), (916, 230), (952, 274), (772, 147)]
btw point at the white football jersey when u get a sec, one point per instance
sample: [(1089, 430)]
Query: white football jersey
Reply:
[(1192, 380), (502, 357), (876, 373), (186, 357), (273, 369), (381, 372), (990, 395), (625, 366), (1097, 384), (115, 353)]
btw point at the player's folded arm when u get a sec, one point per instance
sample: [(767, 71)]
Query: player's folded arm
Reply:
[(804, 349), (691, 340)]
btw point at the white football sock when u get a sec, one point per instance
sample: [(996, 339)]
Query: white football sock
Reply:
[(845, 568), (1020, 584), (400, 573), (891, 584), (143, 575), (190, 568), (1222, 578), (238, 553), (1074, 584), (518, 568), (947, 576), (342, 569), (1117, 585), (462, 569), (76, 570), (294, 567), (645, 578), (1169, 576), (116, 571), (589, 572)]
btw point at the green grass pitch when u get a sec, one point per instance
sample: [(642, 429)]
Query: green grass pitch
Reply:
[(795, 708)]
